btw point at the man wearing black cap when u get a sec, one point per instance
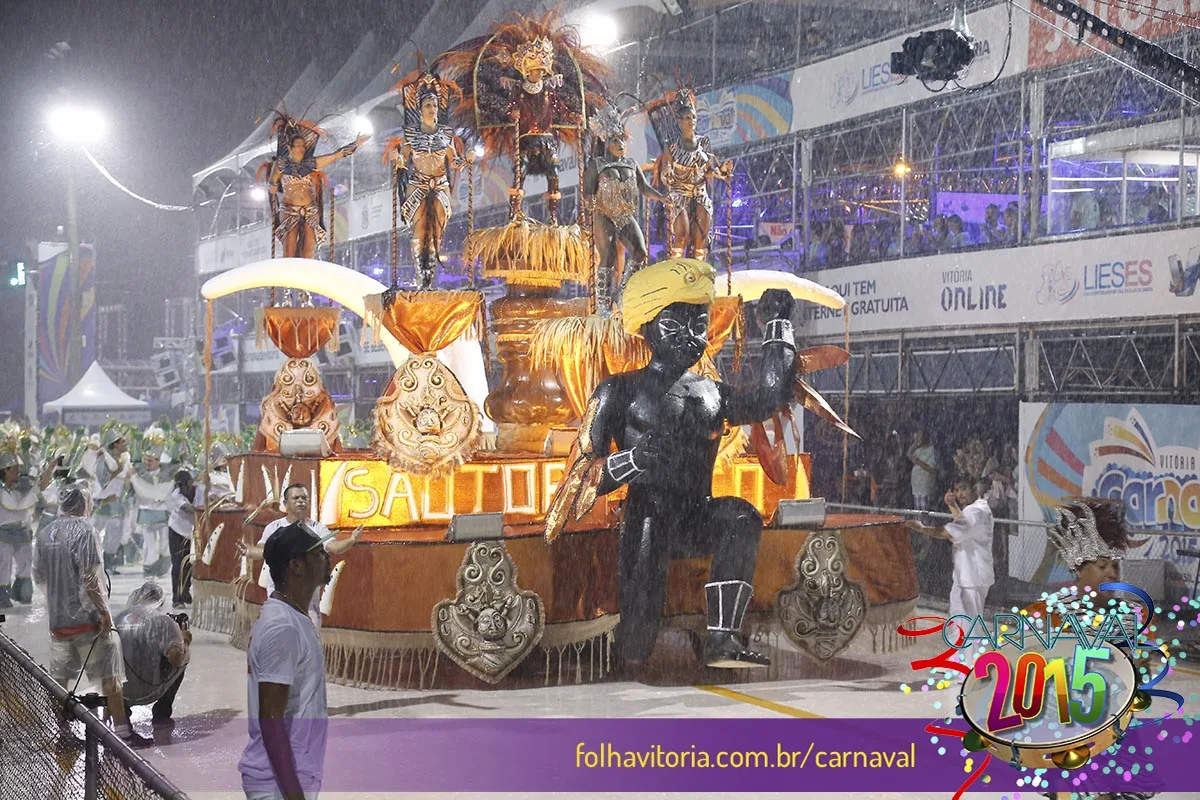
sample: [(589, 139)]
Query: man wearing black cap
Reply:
[(286, 685)]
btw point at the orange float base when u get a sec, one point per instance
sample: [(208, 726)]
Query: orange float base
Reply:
[(377, 633)]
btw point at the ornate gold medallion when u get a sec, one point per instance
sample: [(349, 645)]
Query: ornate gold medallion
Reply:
[(424, 422), (823, 610), (298, 400), (491, 625)]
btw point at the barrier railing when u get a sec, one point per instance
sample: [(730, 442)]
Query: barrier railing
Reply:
[(41, 752)]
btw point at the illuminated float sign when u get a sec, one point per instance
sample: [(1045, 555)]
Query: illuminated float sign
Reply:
[(372, 494)]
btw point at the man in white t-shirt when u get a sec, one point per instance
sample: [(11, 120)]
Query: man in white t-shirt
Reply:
[(924, 459), (970, 531), (295, 507), (287, 710)]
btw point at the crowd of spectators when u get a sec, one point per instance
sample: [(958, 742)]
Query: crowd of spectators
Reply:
[(836, 243)]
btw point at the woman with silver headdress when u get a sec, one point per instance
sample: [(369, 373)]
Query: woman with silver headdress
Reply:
[(612, 182)]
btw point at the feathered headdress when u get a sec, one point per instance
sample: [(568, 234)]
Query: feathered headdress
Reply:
[(286, 128), (13, 444), (1088, 529), (154, 442), (486, 68)]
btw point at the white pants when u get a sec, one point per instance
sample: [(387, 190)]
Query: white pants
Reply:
[(967, 600), (154, 544), (112, 533), (19, 555)]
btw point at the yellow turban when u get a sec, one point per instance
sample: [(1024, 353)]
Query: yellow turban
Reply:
[(653, 288)]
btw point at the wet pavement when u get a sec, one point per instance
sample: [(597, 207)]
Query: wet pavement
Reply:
[(202, 751)]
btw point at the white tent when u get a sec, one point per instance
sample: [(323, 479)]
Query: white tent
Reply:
[(95, 400)]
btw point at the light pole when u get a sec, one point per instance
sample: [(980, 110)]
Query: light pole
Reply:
[(73, 125)]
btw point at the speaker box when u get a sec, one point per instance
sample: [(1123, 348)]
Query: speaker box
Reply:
[(304, 442)]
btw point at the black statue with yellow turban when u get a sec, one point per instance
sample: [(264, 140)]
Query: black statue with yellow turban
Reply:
[(657, 430)]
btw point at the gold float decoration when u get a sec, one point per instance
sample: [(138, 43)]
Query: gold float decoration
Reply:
[(527, 401), (297, 401), (299, 332), (424, 422), (530, 253)]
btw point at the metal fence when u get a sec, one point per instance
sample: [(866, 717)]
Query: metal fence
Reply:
[(53, 746)]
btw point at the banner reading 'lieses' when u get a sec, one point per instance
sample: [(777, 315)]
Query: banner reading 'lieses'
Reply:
[(1144, 275)]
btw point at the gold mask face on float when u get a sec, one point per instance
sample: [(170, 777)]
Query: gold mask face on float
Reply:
[(424, 422), (298, 400), (533, 56)]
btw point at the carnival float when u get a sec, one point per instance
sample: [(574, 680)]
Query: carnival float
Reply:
[(488, 554)]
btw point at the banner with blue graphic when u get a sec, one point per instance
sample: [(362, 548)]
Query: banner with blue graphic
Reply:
[(1147, 456)]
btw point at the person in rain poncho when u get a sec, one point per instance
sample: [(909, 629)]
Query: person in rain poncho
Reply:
[(70, 571), (156, 648)]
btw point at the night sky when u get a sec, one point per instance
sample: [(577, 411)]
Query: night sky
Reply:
[(181, 84)]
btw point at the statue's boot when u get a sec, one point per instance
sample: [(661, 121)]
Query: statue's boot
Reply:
[(727, 604)]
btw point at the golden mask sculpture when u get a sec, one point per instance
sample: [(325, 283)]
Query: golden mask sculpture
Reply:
[(297, 401), (424, 422)]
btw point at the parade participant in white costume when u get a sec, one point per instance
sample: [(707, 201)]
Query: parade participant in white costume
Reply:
[(152, 483), (19, 498), (110, 490)]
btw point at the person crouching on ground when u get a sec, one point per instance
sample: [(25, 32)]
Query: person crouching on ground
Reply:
[(286, 686), (970, 531), (156, 648), (69, 569)]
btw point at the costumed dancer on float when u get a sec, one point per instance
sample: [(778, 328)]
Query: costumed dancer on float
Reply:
[(666, 424), (111, 470), (685, 168), (152, 483), (529, 85), (20, 496), (434, 152), (612, 182), (296, 183)]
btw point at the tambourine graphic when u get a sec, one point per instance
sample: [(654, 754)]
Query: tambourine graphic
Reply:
[(1016, 704)]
